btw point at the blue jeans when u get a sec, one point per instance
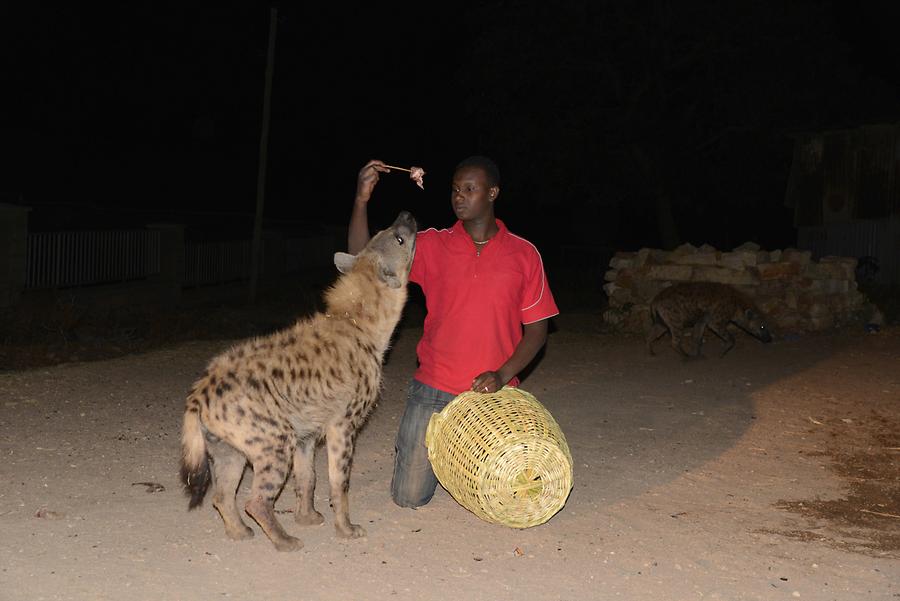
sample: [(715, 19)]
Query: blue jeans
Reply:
[(413, 483)]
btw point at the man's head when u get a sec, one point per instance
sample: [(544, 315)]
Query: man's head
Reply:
[(491, 171), (475, 187)]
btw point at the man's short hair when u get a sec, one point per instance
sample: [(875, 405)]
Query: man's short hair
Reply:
[(485, 164)]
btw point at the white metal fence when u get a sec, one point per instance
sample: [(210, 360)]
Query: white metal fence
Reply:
[(65, 259), (85, 258)]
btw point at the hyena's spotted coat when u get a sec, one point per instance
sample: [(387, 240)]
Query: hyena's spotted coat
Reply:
[(701, 305), (270, 400)]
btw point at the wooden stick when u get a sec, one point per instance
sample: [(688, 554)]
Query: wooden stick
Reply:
[(399, 168), (887, 515)]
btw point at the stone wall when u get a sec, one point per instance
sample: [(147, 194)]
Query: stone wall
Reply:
[(797, 293)]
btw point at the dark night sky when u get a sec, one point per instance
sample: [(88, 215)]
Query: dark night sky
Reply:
[(592, 110)]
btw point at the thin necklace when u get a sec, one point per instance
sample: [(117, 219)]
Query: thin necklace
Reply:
[(482, 242)]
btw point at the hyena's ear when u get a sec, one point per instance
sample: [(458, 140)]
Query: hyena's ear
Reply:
[(344, 262), (389, 277)]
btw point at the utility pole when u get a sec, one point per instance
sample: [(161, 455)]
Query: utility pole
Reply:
[(263, 155)]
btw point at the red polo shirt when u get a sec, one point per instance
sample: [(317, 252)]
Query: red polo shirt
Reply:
[(476, 303)]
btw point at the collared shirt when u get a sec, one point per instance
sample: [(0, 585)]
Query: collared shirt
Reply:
[(476, 303)]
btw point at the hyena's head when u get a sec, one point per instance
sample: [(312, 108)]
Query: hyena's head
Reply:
[(391, 250), (755, 324)]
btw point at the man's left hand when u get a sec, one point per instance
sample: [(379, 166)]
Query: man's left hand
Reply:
[(488, 381)]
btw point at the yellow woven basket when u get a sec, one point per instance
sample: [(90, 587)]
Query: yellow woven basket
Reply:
[(502, 456)]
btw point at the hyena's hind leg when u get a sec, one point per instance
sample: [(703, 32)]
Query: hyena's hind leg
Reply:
[(340, 452), (656, 332), (228, 469), (305, 483), (697, 333), (270, 469)]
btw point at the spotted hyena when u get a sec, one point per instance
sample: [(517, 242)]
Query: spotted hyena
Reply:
[(270, 400), (701, 305)]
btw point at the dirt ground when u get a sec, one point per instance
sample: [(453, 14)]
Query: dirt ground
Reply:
[(773, 473)]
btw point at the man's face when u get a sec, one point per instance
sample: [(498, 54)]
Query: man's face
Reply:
[(471, 195)]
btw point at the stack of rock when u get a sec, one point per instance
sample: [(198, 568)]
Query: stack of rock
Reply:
[(797, 293)]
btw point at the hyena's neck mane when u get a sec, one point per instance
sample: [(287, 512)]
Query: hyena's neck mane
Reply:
[(362, 297)]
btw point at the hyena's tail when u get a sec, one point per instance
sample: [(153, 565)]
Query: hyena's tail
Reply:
[(194, 461)]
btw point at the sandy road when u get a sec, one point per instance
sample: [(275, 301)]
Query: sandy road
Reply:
[(770, 474)]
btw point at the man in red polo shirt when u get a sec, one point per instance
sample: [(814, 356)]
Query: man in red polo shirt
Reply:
[(487, 302)]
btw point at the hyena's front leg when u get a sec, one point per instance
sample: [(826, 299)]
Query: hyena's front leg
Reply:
[(340, 453), (721, 330), (305, 483)]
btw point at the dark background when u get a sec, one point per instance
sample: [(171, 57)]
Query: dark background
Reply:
[(618, 124)]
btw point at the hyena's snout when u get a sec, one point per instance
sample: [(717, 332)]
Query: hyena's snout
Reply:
[(406, 226), (405, 219)]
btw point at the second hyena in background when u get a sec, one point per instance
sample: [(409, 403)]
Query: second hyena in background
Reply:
[(702, 305)]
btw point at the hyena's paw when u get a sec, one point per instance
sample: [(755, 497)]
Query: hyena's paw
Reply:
[(310, 519), (287, 543), (241, 532), (353, 531), (690, 353)]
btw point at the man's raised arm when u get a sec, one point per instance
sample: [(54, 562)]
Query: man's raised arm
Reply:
[(358, 232)]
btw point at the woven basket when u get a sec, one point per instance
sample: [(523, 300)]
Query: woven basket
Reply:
[(502, 456)]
